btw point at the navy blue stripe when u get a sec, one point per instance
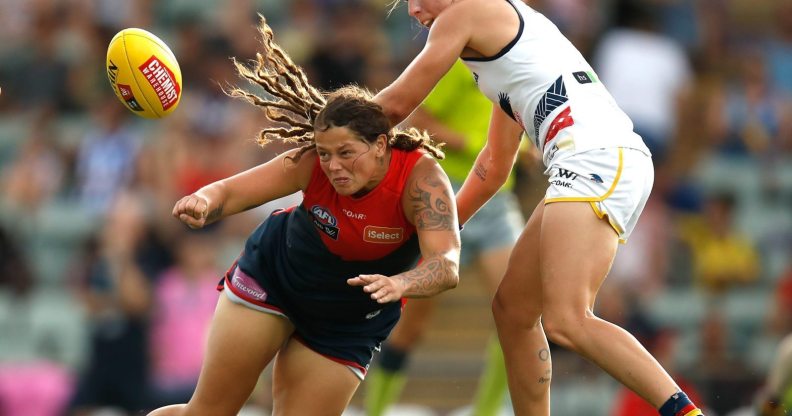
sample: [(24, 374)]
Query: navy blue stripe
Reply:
[(553, 98), (506, 48)]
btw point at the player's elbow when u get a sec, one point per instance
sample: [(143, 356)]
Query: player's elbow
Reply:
[(452, 275), (397, 112), (497, 175), (396, 109)]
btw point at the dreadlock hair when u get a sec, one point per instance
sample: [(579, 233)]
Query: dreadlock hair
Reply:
[(304, 109)]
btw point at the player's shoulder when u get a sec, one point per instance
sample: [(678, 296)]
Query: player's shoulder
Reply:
[(462, 10), (478, 7), (427, 167), (473, 15)]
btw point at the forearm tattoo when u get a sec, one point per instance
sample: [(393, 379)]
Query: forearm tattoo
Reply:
[(431, 203), (480, 171), (215, 213), (431, 277)]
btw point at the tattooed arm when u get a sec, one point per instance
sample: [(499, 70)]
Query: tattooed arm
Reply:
[(269, 181), (493, 165), (428, 202)]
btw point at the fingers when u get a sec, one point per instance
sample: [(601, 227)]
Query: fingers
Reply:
[(382, 288), (191, 210)]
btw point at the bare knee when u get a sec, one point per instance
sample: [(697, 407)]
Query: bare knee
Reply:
[(566, 328), (512, 314)]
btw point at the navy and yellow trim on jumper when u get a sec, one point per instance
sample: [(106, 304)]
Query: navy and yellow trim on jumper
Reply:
[(593, 200)]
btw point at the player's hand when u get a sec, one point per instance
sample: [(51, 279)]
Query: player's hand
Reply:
[(383, 289), (192, 210)]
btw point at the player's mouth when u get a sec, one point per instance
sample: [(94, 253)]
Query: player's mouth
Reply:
[(341, 181), (428, 22)]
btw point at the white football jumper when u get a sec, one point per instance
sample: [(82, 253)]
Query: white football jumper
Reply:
[(540, 80), (589, 149)]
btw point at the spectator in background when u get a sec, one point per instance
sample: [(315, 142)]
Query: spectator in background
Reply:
[(722, 258), (721, 374), (37, 76), (106, 158), (352, 40), (116, 280), (754, 117), (177, 344), (781, 312), (36, 377), (299, 33), (37, 172), (636, 57), (779, 50)]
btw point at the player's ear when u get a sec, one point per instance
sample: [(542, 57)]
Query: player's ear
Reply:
[(381, 144)]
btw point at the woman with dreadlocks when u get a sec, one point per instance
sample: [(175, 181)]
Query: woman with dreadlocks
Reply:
[(318, 286)]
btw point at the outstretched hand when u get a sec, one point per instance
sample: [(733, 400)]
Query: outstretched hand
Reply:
[(192, 210), (383, 289)]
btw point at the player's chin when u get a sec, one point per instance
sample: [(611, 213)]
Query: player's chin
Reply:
[(345, 189)]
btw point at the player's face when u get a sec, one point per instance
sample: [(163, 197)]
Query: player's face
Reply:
[(353, 165), (426, 11)]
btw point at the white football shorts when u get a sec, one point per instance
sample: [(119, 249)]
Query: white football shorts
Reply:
[(615, 181)]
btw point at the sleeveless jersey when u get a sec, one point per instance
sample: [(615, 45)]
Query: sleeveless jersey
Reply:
[(365, 228), (542, 82), (301, 257)]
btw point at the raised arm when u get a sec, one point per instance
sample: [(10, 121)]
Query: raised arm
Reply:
[(429, 204), (447, 39), (493, 165), (269, 181)]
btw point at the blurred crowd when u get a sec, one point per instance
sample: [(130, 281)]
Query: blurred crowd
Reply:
[(103, 295)]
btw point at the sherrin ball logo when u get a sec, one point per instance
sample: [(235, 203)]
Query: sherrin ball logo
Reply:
[(144, 73)]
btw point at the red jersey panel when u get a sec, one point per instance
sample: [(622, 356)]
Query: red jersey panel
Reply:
[(365, 228)]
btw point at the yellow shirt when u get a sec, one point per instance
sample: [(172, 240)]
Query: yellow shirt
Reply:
[(456, 102)]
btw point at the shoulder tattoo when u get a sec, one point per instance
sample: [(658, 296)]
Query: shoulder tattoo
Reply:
[(431, 204)]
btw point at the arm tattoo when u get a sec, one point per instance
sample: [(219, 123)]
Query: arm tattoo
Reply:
[(480, 171), (215, 213), (431, 211), (433, 276)]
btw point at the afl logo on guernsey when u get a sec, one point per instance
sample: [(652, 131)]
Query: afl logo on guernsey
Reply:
[(325, 221)]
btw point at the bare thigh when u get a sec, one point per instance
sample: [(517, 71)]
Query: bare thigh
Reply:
[(577, 252), (519, 295), (307, 383), (241, 343)]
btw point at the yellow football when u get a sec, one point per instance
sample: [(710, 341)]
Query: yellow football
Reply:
[(144, 73)]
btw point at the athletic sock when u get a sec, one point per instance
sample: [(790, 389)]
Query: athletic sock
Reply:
[(679, 405), (385, 382), (492, 384)]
